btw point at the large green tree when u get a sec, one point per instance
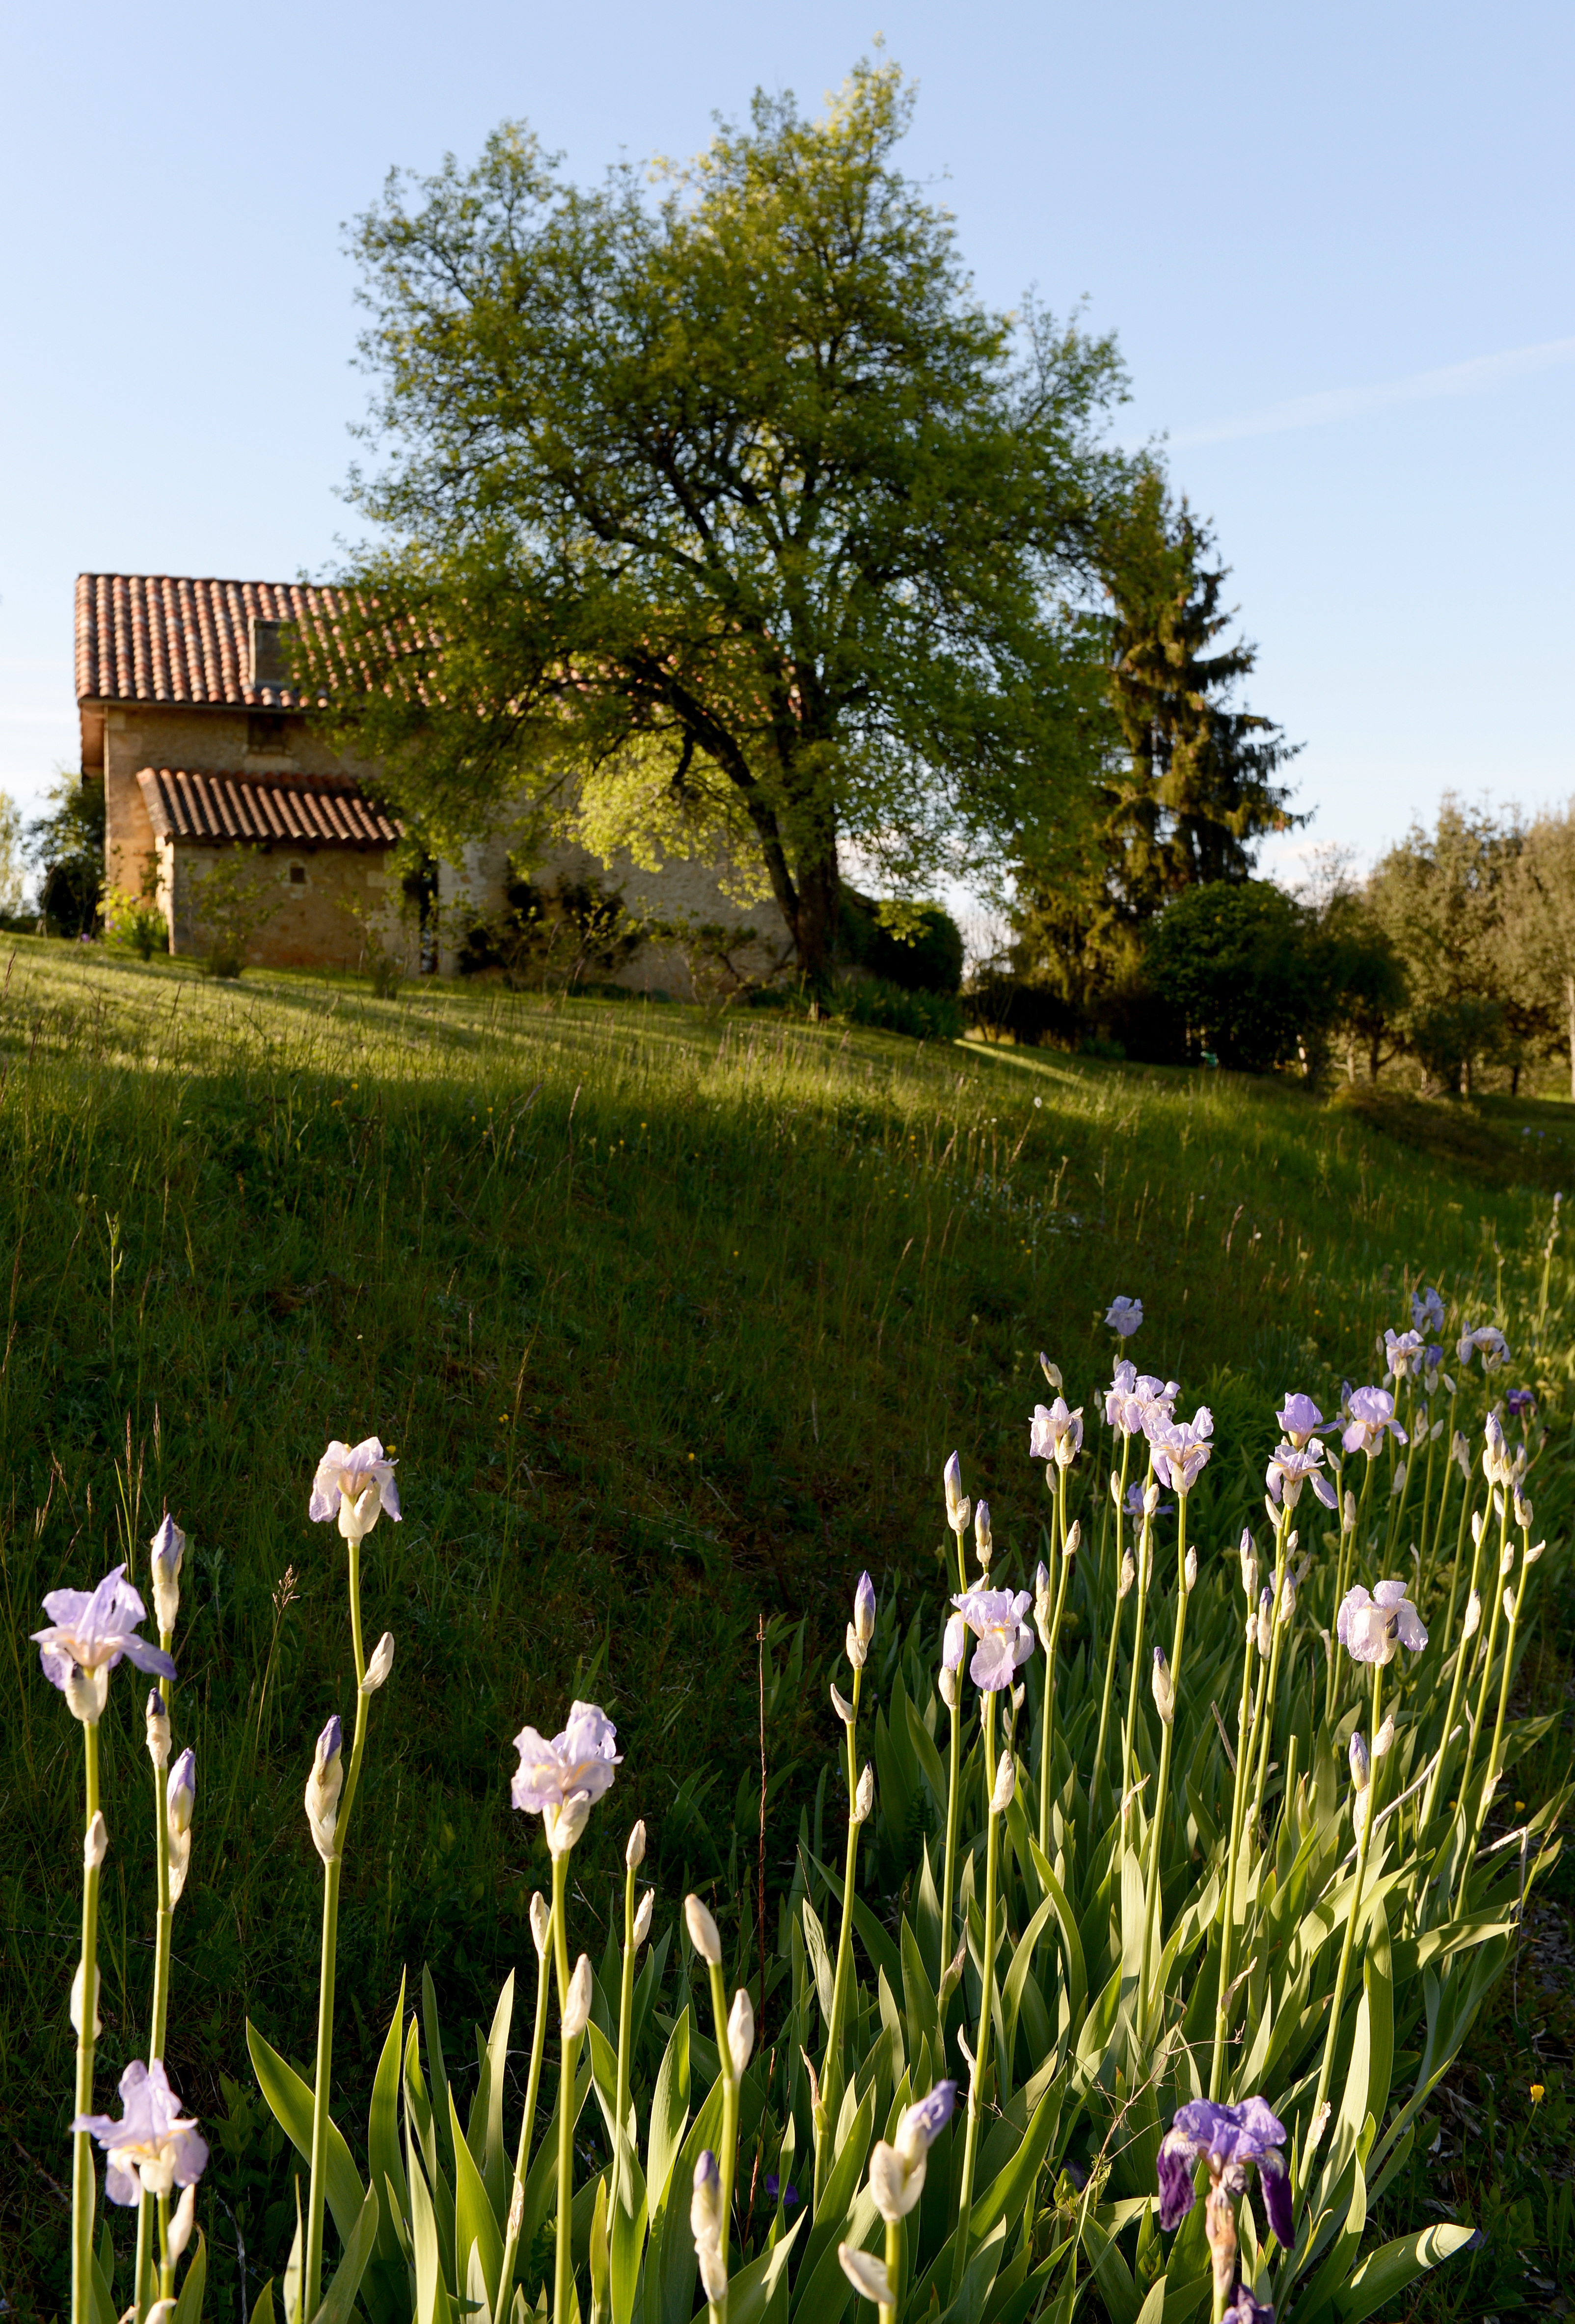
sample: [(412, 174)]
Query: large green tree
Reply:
[(722, 514)]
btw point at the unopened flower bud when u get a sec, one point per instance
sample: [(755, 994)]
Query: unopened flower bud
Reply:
[(540, 1923), (958, 1507), (324, 1786), (180, 1800), (1522, 1513), (1129, 1575), (157, 1719), (868, 2276), (948, 1684), (955, 1646), (1051, 1371), (1384, 1736), (704, 1934), (740, 2030), (161, 2311), (983, 1539), (181, 2225), (1361, 1766), (95, 1842), (1348, 1513), (1006, 1784), (707, 2227), (1190, 1571), (1473, 1620), (642, 1913), (1150, 1496), (1265, 1614), (1397, 1482), (1509, 1605), (169, 1548), (841, 1706), (1115, 1488), (1249, 1566), (576, 2007), (1498, 1505), (1534, 1552), (1163, 1686), (634, 1848), (382, 1663), (1074, 1537), (1476, 1524), (1507, 1558), (1287, 1597), (864, 1609), (853, 1647), (864, 1796)]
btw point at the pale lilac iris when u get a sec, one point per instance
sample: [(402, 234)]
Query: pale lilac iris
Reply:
[(1133, 1504), (1369, 1628), (1180, 1447), (924, 2122), (1487, 1341), (995, 1616), (1133, 1395), (1299, 1419), (91, 1630), (1124, 1315), (1291, 1467), (1405, 1353), (561, 1778), (1372, 1417), (355, 1484), (1232, 2139), (1056, 1434), (1427, 1310), (153, 2146)]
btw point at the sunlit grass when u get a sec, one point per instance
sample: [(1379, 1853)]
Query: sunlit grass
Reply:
[(672, 1322)]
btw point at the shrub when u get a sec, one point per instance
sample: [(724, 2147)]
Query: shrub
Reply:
[(134, 923), (874, 1001), (917, 947), (1250, 970)]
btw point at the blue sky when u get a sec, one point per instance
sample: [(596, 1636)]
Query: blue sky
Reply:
[(1335, 245)]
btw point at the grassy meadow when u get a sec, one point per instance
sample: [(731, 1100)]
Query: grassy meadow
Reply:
[(671, 1321)]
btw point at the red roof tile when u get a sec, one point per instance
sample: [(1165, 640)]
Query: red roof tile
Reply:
[(265, 811), (155, 638)]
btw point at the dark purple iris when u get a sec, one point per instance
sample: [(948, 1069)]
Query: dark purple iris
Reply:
[(1519, 1402), (789, 2194), (1229, 2138)]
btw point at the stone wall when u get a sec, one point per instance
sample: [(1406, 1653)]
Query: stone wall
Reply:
[(309, 926)]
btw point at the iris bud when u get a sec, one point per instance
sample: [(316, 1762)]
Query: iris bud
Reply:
[(842, 1707), (948, 1684), (1534, 1552), (642, 1913), (1509, 1605), (169, 1548), (1361, 1766), (181, 2225), (864, 1797), (955, 1643), (95, 1842), (1129, 1575), (1190, 1571), (1163, 1687), (1051, 1371), (324, 1786), (1287, 1597), (1506, 1557), (1150, 1496), (983, 1539), (634, 1849), (958, 1507), (382, 1663), (1266, 1606), (540, 1923), (865, 2272), (157, 1727), (1384, 1736), (864, 1609), (576, 2007), (740, 2031), (1006, 1784), (857, 1652), (1473, 1619), (1074, 1537), (704, 1934)]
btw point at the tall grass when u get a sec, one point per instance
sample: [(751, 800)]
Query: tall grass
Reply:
[(672, 1321)]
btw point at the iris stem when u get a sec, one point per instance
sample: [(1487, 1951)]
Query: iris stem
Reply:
[(727, 2161), (949, 1876), (1166, 1731), (1348, 1540), (564, 2305), (1047, 1730), (1129, 1731), (522, 2153), (986, 2005), (1369, 1817), (831, 2072), (1272, 1704), (84, 2184), (1430, 1797), (1490, 1647), (1491, 1772), (1228, 1931), (163, 1916), (625, 2025), (312, 2274), (889, 2308)]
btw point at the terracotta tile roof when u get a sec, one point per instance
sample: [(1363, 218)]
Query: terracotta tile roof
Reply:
[(269, 811), (154, 638)]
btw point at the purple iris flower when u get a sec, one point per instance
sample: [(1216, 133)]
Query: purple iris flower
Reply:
[(929, 2118), (995, 1616), (1292, 1466), (1519, 1402), (1299, 1419), (561, 1777), (153, 2146), (1427, 1310), (1055, 1432), (91, 1630), (774, 2186), (1124, 1315), (1133, 1504), (1132, 1395), (355, 1484), (1372, 1415), (1181, 1447), (1231, 2139), (1369, 1628), (1244, 2309), (1404, 1351)]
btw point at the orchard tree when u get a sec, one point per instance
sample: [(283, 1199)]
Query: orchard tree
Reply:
[(723, 516)]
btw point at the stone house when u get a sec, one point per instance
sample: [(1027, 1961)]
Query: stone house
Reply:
[(205, 749)]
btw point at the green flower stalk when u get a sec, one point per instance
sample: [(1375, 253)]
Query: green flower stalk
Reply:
[(953, 1650), (1512, 1602), (84, 2017), (1490, 1645), (860, 1800), (574, 2014), (1471, 1620), (541, 1932), (167, 1551), (1126, 1578), (1180, 1451), (1367, 1777), (1279, 1621), (634, 1857), (1000, 1799), (1140, 1631), (735, 2040), (1238, 1797)]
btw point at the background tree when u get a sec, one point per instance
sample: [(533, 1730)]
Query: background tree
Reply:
[(727, 519), (1189, 782), (1252, 971), (1439, 897), (66, 846), (1539, 925)]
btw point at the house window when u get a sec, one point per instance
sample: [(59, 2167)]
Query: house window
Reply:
[(268, 734), (270, 651), (298, 875)]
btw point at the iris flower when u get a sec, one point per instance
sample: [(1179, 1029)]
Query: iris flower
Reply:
[(1405, 1352), (1484, 1340), (1372, 1417), (1299, 1419), (153, 2146), (1519, 1402), (1291, 1467), (1232, 2139), (1132, 1395), (896, 2172), (1181, 1447), (1427, 1310), (1124, 1315), (1056, 1434), (561, 1779), (90, 1632), (1369, 1628), (355, 1484), (995, 1616)]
